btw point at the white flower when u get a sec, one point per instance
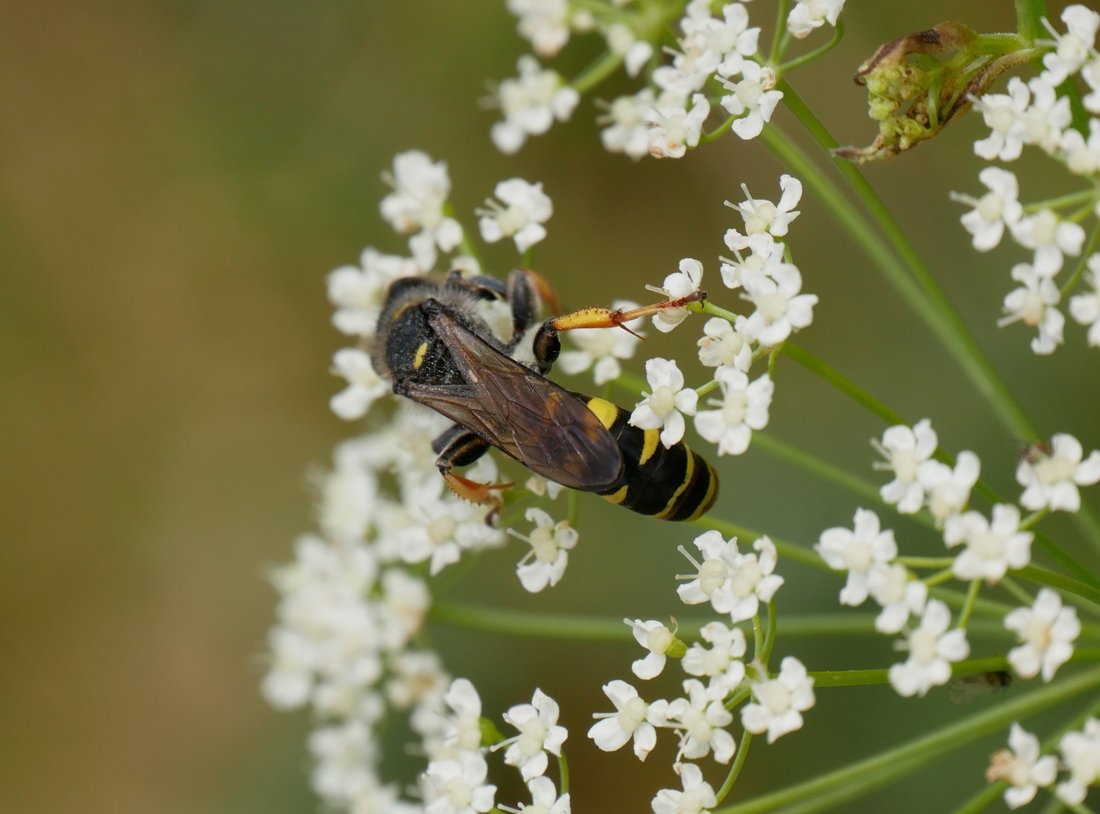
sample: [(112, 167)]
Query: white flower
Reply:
[(550, 543), (721, 661), (544, 799), (1073, 47), (754, 96), (345, 757), (1085, 308), (526, 208), (765, 256), (1047, 632), (530, 104), (696, 798), (899, 594), (742, 409), (676, 285), (858, 551), (666, 405), (780, 701), (462, 727), (458, 786), (1046, 116), (655, 637), (544, 23), (948, 490), (732, 582), (1021, 767), (442, 529), (810, 14), (420, 189), (780, 308), (1082, 157), (1050, 481), (602, 348), (1003, 114), (723, 345), (1034, 304), (633, 719), (1081, 755), (539, 733), (358, 292), (991, 547), (700, 720), (932, 649), (993, 211), (627, 124), (1051, 238), (364, 388), (762, 216), (673, 129), (905, 450)]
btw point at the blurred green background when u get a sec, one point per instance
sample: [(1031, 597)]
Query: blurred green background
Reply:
[(176, 179)]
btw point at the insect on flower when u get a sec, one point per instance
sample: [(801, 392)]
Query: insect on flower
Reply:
[(435, 343)]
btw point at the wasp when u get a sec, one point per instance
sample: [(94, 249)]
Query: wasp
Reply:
[(435, 343)]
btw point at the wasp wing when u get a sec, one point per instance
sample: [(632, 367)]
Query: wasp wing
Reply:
[(545, 427)]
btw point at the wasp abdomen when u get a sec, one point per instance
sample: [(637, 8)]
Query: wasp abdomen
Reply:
[(669, 483)]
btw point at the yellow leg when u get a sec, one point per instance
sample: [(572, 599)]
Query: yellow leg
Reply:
[(617, 318)]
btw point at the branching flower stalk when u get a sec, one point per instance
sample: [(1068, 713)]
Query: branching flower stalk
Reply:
[(352, 641)]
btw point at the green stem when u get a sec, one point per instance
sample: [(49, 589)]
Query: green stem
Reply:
[(860, 487), (1082, 264), (738, 763), (841, 383), (971, 600), (826, 792), (798, 62), (598, 71), (1029, 19), (563, 773), (776, 53), (1086, 593)]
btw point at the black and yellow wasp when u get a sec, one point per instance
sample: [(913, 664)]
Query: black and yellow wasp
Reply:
[(434, 343)]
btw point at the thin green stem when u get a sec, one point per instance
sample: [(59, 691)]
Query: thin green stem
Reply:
[(563, 772), (738, 763), (971, 600), (841, 382), (926, 562), (1029, 19), (798, 62), (858, 486), (1089, 595), (825, 792), (776, 52), (1070, 199), (1082, 264), (598, 71)]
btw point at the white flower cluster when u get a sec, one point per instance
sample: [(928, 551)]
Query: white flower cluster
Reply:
[(773, 288), (990, 548), (715, 48), (1025, 770), (1031, 113), (734, 583)]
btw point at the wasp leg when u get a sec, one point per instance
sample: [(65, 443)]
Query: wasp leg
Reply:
[(458, 446), (482, 285), (547, 345)]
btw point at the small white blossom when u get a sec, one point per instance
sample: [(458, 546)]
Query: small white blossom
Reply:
[(701, 721), (722, 345), (1021, 767), (1035, 304), (530, 104), (1085, 308), (899, 594), (1050, 481), (1081, 755), (1051, 238), (676, 285), (420, 190), (1082, 156), (996, 209), (544, 799), (947, 490), (544, 23), (602, 348), (457, 786), (673, 129), (442, 529), (857, 551), (720, 662), (1091, 74), (991, 547), (732, 582), (633, 719), (358, 292), (1046, 116), (364, 388), (655, 637), (810, 14), (752, 95), (696, 798), (1073, 47), (544, 565), (345, 757), (780, 307), (1046, 631), (526, 208), (627, 124), (762, 216), (539, 733), (462, 726), (905, 449), (742, 409), (1003, 114), (665, 406), (932, 648), (780, 701), (765, 256)]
